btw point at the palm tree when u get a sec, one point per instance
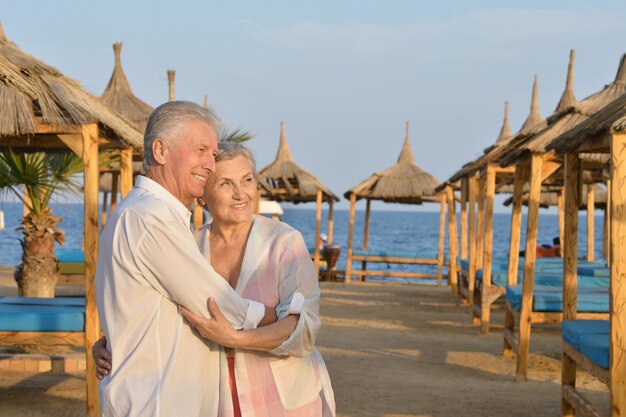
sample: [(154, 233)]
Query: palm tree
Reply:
[(227, 134), (34, 178)]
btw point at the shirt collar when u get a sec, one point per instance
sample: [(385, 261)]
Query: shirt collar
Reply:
[(161, 193)]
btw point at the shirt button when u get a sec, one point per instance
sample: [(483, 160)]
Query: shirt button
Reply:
[(242, 397)]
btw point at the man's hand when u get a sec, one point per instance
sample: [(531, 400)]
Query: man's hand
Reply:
[(102, 357)]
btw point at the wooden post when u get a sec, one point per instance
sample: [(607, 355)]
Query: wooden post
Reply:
[(560, 212), (617, 342), (171, 75), (607, 230), (569, 248), (490, 190), (90, 229), (442, 236), (534, 195), (521, 177), (105, 202), (590, 222), (318, 230), (114, 190), (464, 200), (471, 279), (126, 171), (480, 228), (331, 215), (257, 202), (366, 233), (570, 245), (197, 214), (452, 241), (350, 237)]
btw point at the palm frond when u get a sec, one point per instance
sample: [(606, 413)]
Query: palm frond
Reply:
[(225, 134)]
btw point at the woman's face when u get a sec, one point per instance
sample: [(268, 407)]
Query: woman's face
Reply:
[(230, 191)]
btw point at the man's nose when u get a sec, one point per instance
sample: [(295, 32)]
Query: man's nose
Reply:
[(209, 162)]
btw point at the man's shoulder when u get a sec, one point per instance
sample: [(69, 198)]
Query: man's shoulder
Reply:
[(146, 206)]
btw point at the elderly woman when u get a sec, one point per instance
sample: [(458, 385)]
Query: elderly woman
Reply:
[(275, 370)]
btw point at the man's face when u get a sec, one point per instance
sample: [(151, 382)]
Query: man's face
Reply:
[(190, 160)]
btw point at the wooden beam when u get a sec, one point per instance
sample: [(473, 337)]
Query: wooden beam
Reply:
[(534, 196), (350, 237), (607, 230), (318, 231), (560, 213), (570, 243), (452, 241), (464, 202), (74, 142), (90, 229), (590, 222), (442, 236), (114, 190), (522, 173), (366, 229), (480, 228), (331, 216), (471, 284), (490, 190), (126, 171), (617, 303)]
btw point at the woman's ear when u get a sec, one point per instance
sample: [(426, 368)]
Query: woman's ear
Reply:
[(201, 202), (159, 150)]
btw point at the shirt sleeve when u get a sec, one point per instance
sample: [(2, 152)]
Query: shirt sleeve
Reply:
[(298, 276), (173, 265)]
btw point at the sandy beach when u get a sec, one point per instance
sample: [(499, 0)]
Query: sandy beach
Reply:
[(393, 350)]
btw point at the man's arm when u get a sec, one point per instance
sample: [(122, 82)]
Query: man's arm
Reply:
[(170, 260), (218, 330)]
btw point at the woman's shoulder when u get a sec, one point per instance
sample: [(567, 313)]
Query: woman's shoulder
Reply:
[(273, 228)]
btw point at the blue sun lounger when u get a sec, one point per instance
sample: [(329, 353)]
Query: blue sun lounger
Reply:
[(71, 267), (42, 321)]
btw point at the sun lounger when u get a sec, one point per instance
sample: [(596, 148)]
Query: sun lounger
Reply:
[(547, 307), (585, 346), (71, 267), (395, 257), (42, 321)]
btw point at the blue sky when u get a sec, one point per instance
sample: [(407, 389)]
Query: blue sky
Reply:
[(344, 76)]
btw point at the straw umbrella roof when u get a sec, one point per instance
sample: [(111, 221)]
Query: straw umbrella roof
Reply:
[(119, 96), (284, 180), (533, 124), (404, 182), (39, 99), (611, 118), (570, 113)]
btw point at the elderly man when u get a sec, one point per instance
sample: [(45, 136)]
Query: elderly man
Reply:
[(149, 263)]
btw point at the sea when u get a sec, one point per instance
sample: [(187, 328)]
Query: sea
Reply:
[(415, 231)]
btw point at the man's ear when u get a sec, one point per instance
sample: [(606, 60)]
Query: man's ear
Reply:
[(159, 151)]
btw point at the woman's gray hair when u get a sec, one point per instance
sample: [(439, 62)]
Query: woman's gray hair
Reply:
[(227, 151), (165, 122)]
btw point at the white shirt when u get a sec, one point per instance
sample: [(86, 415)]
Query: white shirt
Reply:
[(292, 380), (148, 263)]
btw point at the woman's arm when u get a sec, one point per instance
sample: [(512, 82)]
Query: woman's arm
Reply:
[(218, 330)]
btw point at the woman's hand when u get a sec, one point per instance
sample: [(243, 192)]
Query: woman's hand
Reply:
[(217, 328), (102, 357)]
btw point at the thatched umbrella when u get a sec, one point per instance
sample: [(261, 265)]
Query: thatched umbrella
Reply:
[(551, 198), (285, 180), (119, 96), (42, 110), (404, 183), (604, 132)]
